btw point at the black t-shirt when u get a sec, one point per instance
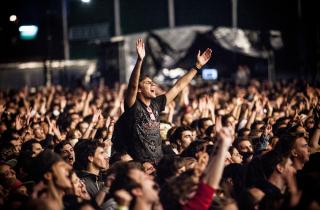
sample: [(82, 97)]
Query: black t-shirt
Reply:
[(139, 130)]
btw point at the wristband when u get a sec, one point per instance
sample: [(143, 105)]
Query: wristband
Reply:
[(196, 68)]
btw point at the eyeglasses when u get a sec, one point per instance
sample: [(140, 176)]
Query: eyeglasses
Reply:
[(151, 115)]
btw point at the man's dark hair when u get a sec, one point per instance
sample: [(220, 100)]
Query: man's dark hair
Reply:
[(60, 145), (178, 133), (177, 189), (286, 142), (202, 120), (26, 147), (83, 150), (143, 76), (168, 167), (116, 156), (124, 181), (193, 148), (270, 160), (43, 163)]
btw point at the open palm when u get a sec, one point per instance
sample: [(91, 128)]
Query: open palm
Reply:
[(140, 49), (203, 58)]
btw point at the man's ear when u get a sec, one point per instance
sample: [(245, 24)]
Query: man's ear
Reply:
[(48, 176), (294, 153), (279, 168), (179, 142), (90, 158), (137, 192)]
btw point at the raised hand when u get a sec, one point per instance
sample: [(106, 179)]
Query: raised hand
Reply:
[(203, 58), (225, 135), (96, 116), (140, 49)]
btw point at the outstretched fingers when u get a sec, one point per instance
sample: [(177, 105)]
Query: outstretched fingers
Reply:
[(207, 53)]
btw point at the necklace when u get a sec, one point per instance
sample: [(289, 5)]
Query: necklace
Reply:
[(151, 115)]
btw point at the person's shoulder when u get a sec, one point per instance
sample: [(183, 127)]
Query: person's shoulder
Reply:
[(159, 99)]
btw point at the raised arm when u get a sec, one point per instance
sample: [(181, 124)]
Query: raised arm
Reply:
[(132, 90), (202, 59), (215, 167)]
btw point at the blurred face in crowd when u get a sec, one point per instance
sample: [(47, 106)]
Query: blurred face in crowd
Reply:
[(83, 127), (7, 173), (79, 188), (206, 124), (231, 122), (67, 154), (187, 118), (245, 146), (147, 88), (75, 119), (36, 149), (99, 159), (309, 124), (148, 186), (185, 139), (236, 157), (38, 132), (17, 145), (45, 127), (61, 172)]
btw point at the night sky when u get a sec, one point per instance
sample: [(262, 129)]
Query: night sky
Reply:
[(301, 36)]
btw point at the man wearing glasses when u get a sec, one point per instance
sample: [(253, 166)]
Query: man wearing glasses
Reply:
[(138, 129)]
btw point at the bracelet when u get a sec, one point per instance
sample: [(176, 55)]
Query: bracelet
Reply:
[(196, 68)]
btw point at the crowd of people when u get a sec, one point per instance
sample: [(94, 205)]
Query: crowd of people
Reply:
[(217, 146)]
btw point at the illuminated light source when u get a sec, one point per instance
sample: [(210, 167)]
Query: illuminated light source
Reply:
[(86, 1), (209, 74), (28, 32), (13, 18)]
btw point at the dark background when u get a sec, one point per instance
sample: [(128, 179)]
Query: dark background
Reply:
[(301, 36)]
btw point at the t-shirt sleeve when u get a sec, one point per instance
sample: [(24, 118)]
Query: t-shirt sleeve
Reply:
[(202, 199), (161, 102)]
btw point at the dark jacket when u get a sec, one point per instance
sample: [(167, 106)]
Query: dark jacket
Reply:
[(93, 182)]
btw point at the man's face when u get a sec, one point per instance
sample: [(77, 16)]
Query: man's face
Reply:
[(100, 158), (7, 173), (149, 187), (83, 127), (147, 88), (186, 139), (231, 122), (36, 149), (309, 123), (245, 146), (187, 119), (61, 172), (67, 154), (76, 184), (206, 124), (17, 145), (236, 157), (302, 149), (39, 133)]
